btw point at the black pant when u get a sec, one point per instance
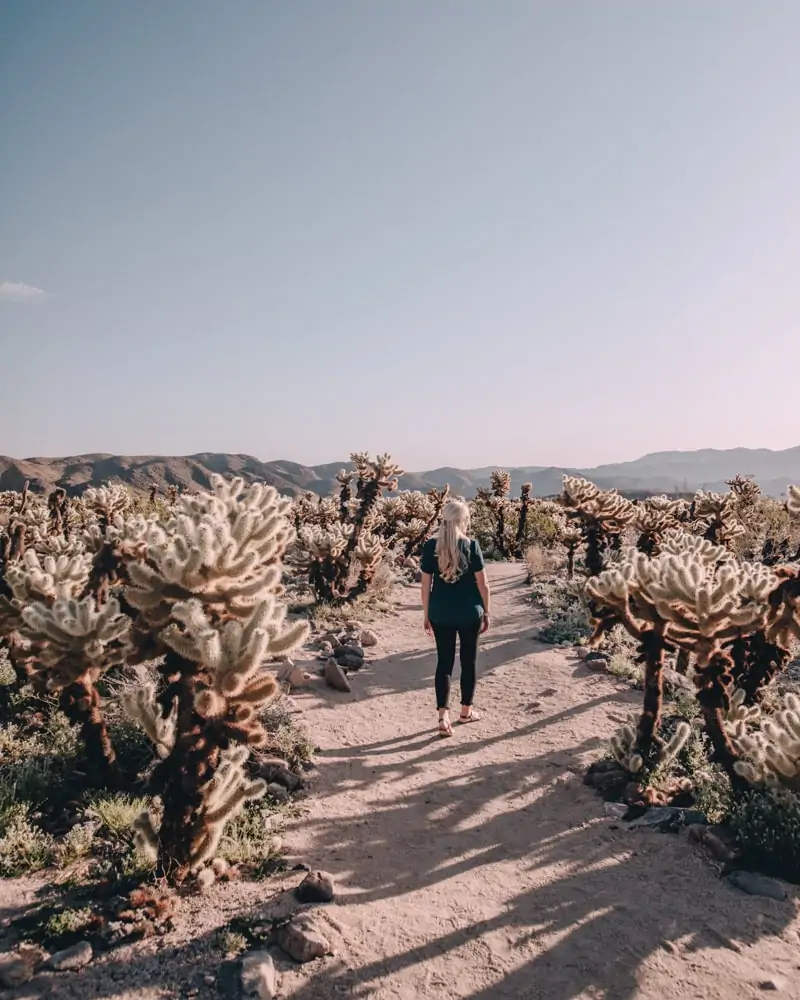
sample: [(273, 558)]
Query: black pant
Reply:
[(445, 636)]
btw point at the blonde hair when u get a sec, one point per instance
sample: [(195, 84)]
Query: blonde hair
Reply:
[(450, 555)]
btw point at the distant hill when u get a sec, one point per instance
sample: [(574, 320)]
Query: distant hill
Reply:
[(659, 472)]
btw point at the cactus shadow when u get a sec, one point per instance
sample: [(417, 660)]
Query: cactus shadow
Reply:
[(591, 908)]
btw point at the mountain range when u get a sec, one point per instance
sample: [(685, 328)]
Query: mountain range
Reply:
[(659, 472)]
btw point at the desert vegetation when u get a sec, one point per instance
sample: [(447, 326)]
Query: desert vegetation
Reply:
[(688, 599), (146, 647)]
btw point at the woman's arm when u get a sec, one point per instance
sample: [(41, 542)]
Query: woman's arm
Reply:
[(486, 596), (427, 579)]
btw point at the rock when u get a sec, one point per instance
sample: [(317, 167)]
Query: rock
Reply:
[(326, 649), (206, 877), (280, 774), (70, 959), (368, 638), (717, 840), (258, 976), (220, 867), (350, 661), (316, 887), (277, 792), (668, 818), (757, 885), (335, 677), (615, 810), (302, 940), (349, 650), (17, 968), (331, 639), (773, 983), (597, 662), (298, 677), (209, 980)]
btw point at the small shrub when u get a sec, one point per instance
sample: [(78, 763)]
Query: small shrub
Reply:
[(24, 847), (287, 740), (117, 813), (540, 562), (77, 843), (623, 667), (565, 610), (251, 839), (767, 827), (67, 922), (231, 942)]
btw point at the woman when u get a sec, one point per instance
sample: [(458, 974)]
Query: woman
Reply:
[(455, 603)]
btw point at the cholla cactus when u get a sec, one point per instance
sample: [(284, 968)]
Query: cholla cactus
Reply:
[(769, 744), (570, 537), (63, 636), (522, 521), (603, 514), (793, 501), (207, 585), (344, 478), (717, 517), (692, 596), (623, 746), (108, 502), (341, 557), (653, 519)]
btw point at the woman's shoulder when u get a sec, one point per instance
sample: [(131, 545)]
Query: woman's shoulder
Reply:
[(429, 545)]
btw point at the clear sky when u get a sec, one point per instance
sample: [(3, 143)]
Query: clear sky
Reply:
[(468, 232)]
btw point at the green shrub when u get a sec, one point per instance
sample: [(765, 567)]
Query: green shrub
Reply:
[(23, 847), (767, 827)]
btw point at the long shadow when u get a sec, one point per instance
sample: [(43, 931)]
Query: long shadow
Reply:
[(605, 887)]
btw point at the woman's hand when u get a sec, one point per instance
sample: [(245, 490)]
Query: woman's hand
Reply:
[(427, 626), (485, 623)]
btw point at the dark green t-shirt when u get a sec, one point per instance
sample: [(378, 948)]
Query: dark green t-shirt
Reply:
[(457, 603)]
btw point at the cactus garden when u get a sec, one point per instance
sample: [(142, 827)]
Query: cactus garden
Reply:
[(172, 662)]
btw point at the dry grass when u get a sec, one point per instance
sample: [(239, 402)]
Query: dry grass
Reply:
[(540, 561)]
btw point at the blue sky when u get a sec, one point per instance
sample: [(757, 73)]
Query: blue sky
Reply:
[(467, 232)]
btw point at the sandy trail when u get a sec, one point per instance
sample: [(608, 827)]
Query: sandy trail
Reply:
[(481, 867)]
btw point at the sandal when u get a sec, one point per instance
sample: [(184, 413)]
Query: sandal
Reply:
[(472, 717), (445, 728)]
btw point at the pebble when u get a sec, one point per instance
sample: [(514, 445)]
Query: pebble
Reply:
[(258, 976), (369, 638), (757, 885), (76, 957), (615, 810)]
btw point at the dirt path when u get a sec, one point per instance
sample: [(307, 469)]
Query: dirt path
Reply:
[(481, 867)]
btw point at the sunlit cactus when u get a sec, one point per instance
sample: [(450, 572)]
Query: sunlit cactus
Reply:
[(207, 585), (342, 556), (692, 596), (602, 514), (717, 517)]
